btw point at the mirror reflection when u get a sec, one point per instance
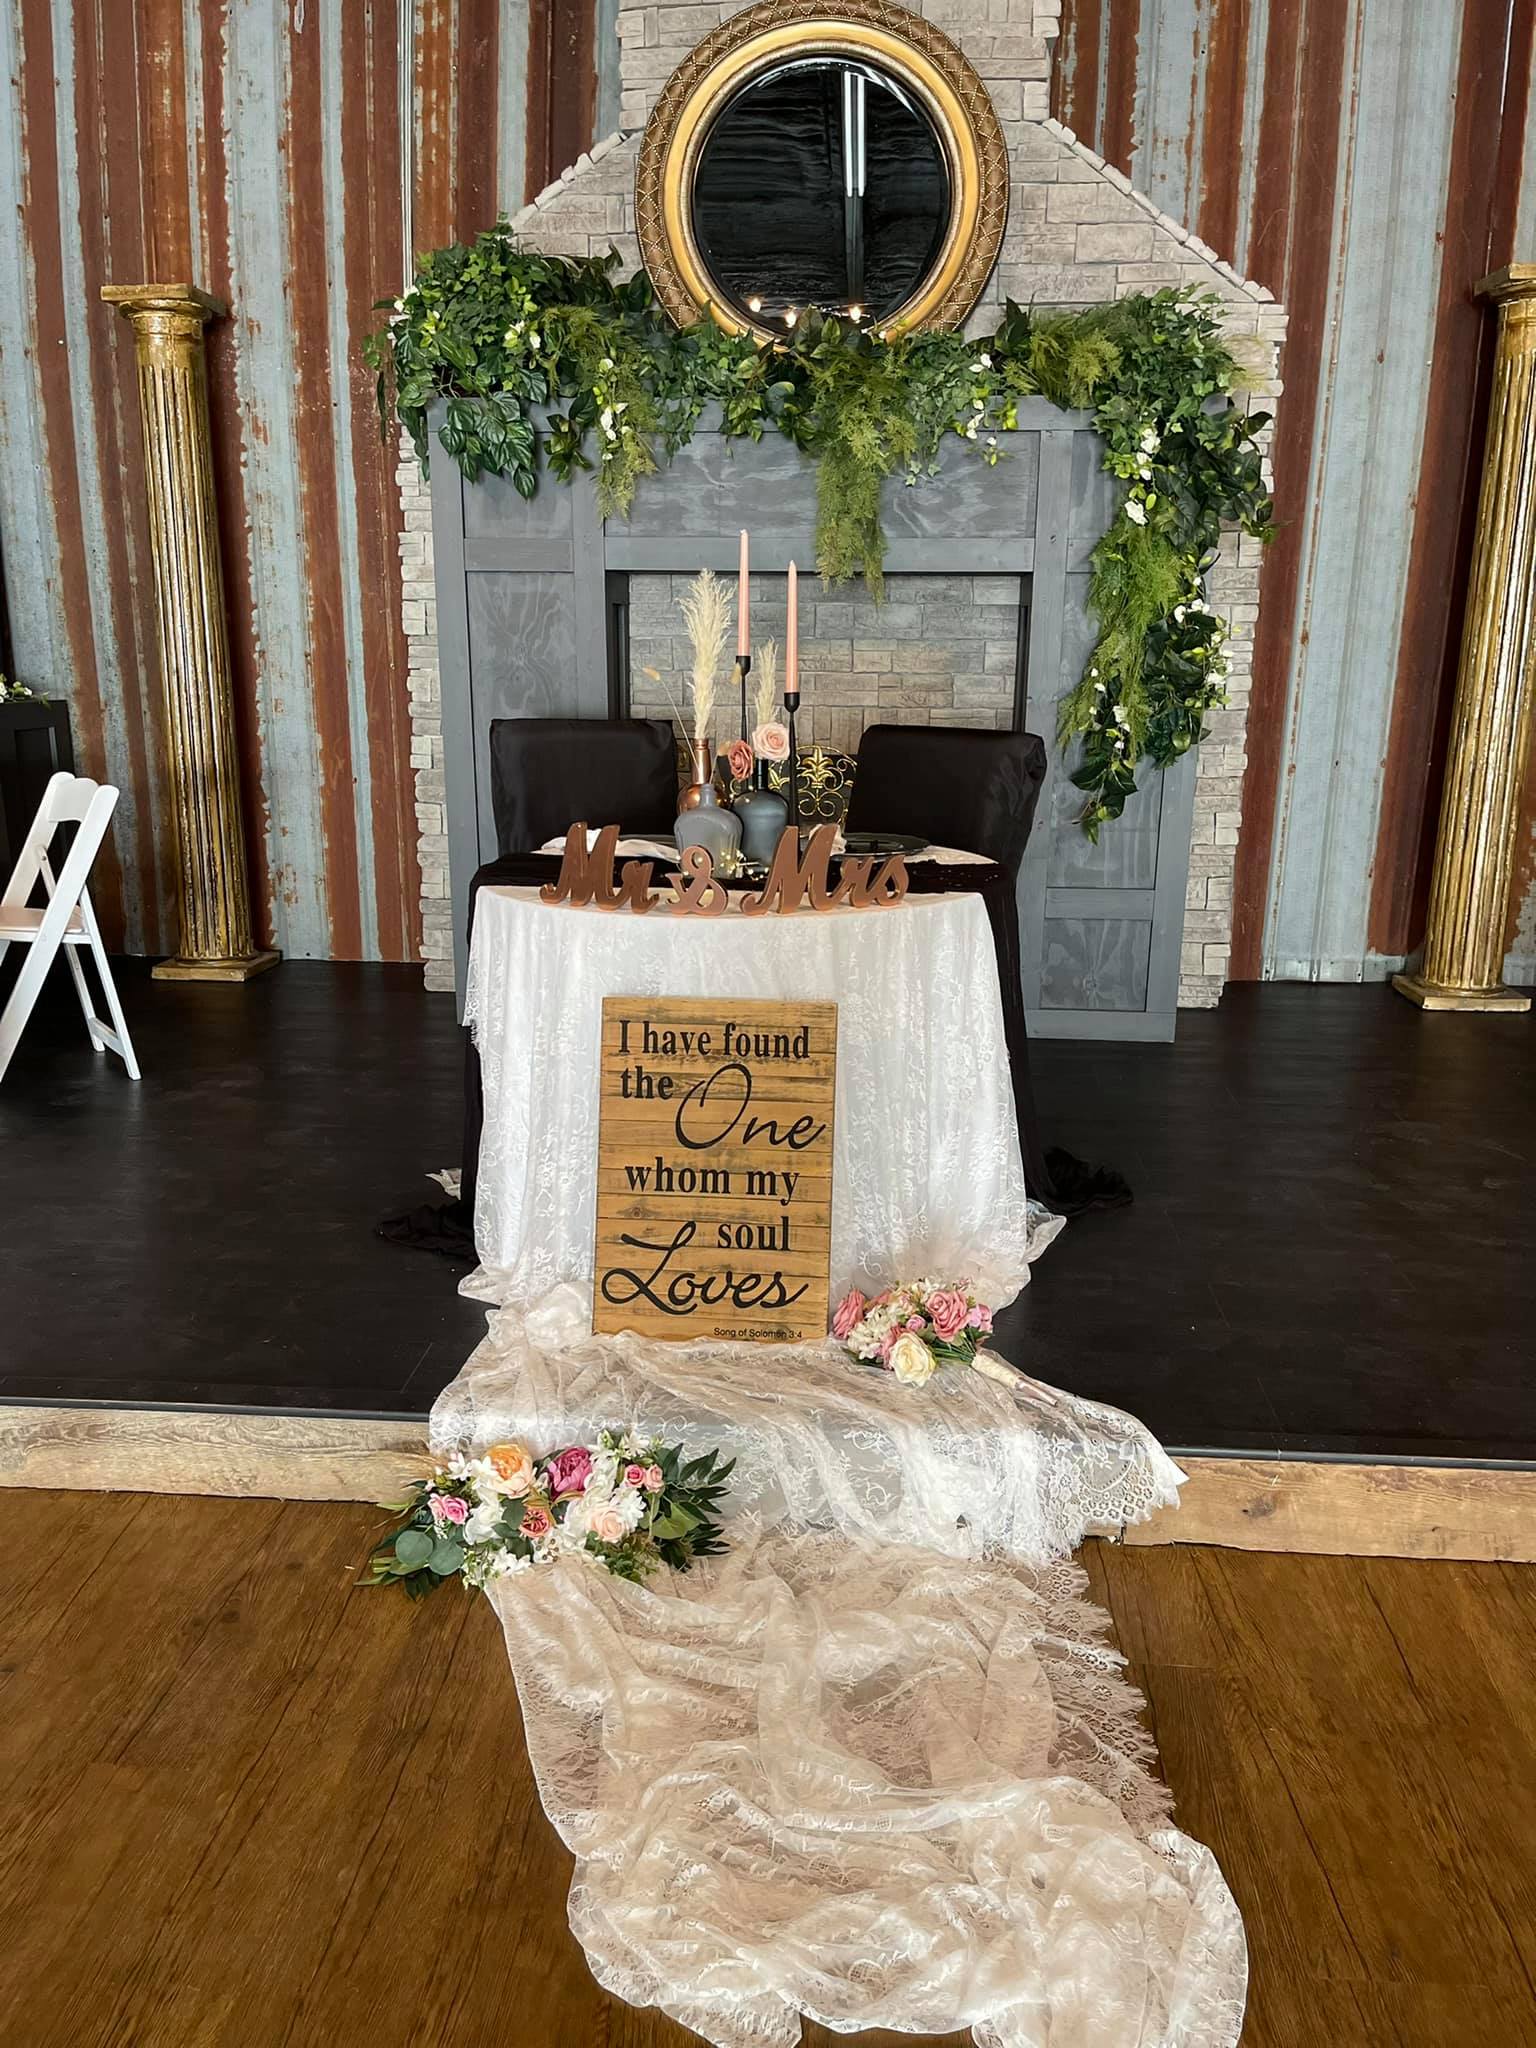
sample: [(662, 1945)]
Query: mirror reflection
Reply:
[(821, 183)]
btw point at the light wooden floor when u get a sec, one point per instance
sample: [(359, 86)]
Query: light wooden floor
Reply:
[(243, 1807)]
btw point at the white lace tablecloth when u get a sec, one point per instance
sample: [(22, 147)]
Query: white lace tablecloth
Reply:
[(927, 1174)]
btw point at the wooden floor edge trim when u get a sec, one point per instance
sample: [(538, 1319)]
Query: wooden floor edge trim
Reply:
[(1329, 1509), (158, 1450), (1472, 1512)]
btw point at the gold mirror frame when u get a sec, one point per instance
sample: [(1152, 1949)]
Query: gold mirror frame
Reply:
[(900, 43)]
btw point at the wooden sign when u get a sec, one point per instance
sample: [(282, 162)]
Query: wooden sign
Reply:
[(795, 877), (714, 1185)]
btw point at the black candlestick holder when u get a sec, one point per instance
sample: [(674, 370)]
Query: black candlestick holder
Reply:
[(791, 706), (743, 669)]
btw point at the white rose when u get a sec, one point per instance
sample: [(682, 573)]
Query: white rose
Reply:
[(482, 1523), (911, 1361)]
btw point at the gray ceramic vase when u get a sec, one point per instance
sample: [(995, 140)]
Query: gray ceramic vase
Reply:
[(712, 826), (763, 814)]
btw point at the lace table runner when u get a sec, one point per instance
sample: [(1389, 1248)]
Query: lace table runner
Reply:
[(876, 1764)]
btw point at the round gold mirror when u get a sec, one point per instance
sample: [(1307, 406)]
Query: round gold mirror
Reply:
[(845, 158)]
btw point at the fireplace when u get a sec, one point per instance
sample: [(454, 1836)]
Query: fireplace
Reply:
[(540, 608)]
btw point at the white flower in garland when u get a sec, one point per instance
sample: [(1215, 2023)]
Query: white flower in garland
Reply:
[(1136, 511)]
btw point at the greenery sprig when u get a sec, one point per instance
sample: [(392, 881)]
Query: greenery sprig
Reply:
[(497, 332)]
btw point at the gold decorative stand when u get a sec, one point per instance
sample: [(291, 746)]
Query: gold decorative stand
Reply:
[(1491, 724), (213, 889)]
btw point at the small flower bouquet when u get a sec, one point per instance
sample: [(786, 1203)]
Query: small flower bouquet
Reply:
[(914, 1328), (628, 1505)]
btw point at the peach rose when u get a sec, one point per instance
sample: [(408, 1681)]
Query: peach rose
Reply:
[(947, 1310), (512, 1466), (846, 1314), (536, 1521), (771, 742), (607, 1525), (738, 758)]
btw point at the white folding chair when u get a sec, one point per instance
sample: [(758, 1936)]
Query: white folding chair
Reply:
[(66, 919)]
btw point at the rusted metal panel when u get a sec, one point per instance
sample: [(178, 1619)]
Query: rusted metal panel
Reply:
[(1478, 233), (272, 151), (1350, 154)]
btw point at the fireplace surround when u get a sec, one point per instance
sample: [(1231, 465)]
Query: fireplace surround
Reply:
[(1116, 935)]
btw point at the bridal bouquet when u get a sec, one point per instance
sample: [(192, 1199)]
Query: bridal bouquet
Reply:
[(628, 1505), (914, 1328)]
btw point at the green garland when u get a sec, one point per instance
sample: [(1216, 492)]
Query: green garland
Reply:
[(496, 330)]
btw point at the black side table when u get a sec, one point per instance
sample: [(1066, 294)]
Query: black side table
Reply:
[(34, 744)]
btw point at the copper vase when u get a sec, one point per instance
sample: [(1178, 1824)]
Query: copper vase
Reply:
[(701, 754)]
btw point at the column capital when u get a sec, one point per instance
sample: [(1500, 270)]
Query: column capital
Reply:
[(179, 301), (1514, 281)]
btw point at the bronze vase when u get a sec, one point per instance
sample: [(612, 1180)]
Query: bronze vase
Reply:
[(701, 755)]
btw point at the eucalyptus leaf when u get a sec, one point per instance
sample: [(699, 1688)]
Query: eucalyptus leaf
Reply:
[(413, 1547)]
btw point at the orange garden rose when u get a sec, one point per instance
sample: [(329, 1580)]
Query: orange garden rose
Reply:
[(512, 1465)]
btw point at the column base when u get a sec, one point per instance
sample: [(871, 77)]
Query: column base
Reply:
[(244, 967), (1429, 995)]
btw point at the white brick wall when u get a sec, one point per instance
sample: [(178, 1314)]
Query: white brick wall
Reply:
[(1077, 235)]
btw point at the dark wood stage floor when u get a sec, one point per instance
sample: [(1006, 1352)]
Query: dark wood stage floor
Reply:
[(1332, 1249), (247, 1806)]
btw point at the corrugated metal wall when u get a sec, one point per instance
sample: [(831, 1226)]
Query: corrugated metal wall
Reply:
[(1362, 158), (256, 147)]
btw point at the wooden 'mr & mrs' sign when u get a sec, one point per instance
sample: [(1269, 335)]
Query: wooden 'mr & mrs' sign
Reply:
[(864, 882), (714, 1188)]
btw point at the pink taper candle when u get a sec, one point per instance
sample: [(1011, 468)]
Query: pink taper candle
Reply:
[(743, 629), (792, 637)]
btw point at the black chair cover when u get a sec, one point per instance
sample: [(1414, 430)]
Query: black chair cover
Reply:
[(548, 772), (954, 785)]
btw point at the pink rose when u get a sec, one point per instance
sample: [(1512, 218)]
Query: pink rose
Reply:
[(447, 1507), (738, 758), (654, 1479), (771, 742), (536, 1521), (568, 1471), (914, 1323), (607, 1525), (980, 1318), (634, 1475), (846, 1314), (948, 1310)]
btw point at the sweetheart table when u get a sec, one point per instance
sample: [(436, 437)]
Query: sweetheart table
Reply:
[(927, 1174)]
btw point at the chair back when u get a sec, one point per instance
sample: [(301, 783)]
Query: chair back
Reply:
[(67, 800), (954, 785), (548, 772)]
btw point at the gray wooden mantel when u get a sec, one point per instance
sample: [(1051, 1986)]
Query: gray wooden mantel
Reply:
[(523, 630)]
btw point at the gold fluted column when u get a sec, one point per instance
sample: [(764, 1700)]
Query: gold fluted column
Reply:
[(213, 887), (1491, 723)]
